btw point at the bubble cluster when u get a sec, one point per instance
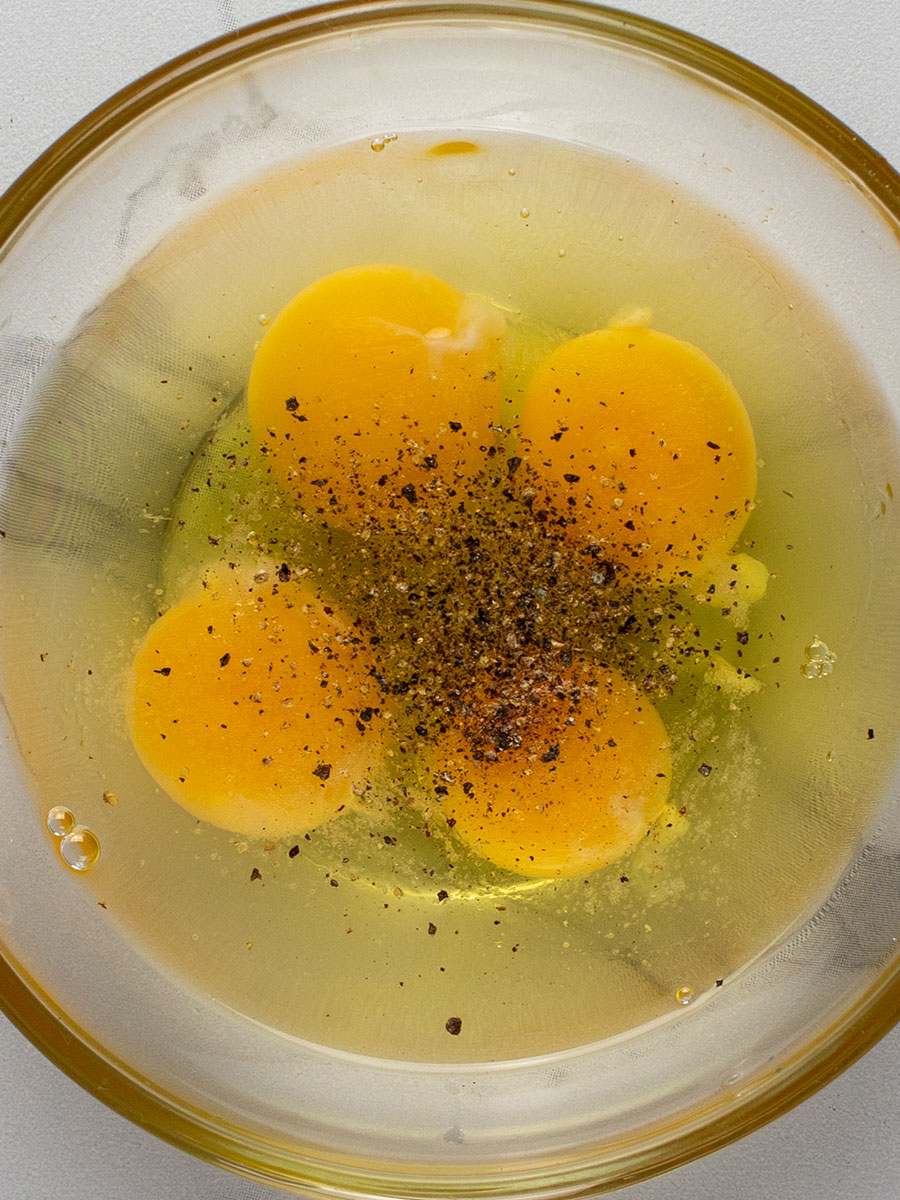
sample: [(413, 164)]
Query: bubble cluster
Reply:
[(819, 660), (79, 847)]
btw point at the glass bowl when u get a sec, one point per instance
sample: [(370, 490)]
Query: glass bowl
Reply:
[(92, 460)]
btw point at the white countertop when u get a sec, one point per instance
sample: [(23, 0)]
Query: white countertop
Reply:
[(60, 59)]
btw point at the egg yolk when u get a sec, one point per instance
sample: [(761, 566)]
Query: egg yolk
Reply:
[(644, 445), (374, 387), (255, 709), (569, 787)]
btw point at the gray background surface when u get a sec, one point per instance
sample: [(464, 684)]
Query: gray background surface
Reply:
[(60, 59)]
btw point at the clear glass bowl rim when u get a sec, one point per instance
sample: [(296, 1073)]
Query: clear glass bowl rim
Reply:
[(22, 1000)]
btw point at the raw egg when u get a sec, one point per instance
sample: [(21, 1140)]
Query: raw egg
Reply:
[(254, 707), (561, 783), (375, 388), (644, 445)]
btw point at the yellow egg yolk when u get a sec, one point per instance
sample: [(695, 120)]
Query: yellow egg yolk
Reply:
[(570, 786), (645, 447), (374, 387), (254, 707)]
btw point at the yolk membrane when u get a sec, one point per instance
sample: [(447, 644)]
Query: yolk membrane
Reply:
[(644, 444), (374, 387), (255, 709)]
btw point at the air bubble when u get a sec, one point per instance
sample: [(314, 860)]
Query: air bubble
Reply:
[(263, 318), (60, 820), (80, 848), (524, 212), (561, 253), (685, 994)]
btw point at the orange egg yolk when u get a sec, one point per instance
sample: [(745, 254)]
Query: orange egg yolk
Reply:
[(644, 445), (571, 786), (374, 387), (254, 708)]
